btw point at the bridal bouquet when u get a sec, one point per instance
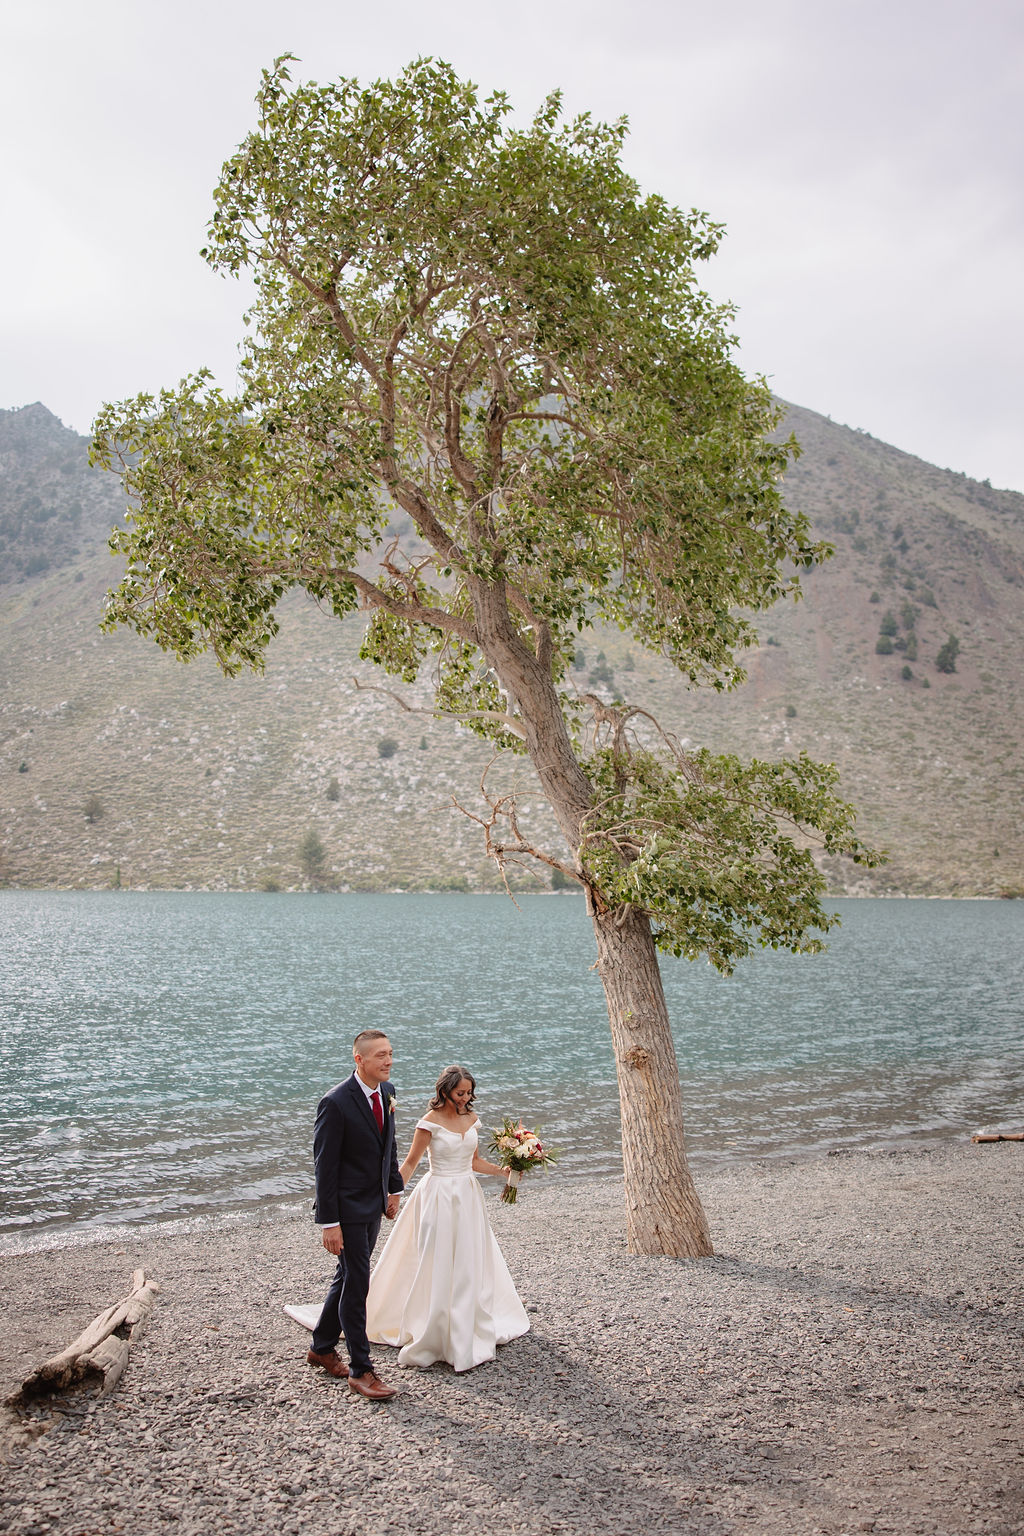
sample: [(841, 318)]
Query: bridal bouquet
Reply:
[(520, 1150)]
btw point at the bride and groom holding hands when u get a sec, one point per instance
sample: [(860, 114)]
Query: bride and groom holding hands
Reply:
[(441, 1289)]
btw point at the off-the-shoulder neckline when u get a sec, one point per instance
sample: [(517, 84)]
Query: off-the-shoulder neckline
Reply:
[(435, 1125)]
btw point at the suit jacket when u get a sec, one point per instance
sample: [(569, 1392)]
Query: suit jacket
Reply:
[(356, 1165)]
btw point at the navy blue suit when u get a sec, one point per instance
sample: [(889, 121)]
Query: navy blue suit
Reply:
[(356, 1171)]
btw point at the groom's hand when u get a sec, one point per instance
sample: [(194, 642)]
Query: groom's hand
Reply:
[(391, 1210), (332, 1240)]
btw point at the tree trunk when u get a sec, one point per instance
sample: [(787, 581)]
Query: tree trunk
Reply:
[(663, 1209)]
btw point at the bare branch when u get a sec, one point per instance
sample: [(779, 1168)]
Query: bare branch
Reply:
[(496, 715), (514, 850)]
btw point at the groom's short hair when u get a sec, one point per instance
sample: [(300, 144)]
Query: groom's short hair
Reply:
[(364, 1038)]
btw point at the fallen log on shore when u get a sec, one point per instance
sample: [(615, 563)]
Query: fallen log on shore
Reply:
[(99, 1354)]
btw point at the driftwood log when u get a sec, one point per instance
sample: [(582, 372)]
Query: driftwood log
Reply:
[(99, 1354), (999, 1136)]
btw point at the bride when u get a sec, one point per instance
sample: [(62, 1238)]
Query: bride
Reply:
[(441, 1289)]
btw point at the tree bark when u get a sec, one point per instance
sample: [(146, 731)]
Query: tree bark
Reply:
[(663, 1209)]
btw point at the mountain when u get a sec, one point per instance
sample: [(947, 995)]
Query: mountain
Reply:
[(118, 765)]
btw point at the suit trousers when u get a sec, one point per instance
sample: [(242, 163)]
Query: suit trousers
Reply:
[(344, 1311)]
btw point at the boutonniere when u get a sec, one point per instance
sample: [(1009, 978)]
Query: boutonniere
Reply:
[(391, 1103)]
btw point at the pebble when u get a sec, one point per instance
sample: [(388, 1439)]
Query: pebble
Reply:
[(832, 1370)]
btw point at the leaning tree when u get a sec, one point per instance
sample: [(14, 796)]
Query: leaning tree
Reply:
[(483, 398)]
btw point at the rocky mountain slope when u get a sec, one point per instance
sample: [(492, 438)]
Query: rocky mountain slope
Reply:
[(118, 765)]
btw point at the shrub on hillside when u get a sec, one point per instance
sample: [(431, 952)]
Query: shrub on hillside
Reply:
[(945, 661), (312, 857)]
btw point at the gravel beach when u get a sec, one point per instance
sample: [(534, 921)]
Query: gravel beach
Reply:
[(851, 1360)]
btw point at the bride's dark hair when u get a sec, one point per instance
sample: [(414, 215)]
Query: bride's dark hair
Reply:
[(447, 1083)]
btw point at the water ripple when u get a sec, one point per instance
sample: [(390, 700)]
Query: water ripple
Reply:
[(162, 1054)]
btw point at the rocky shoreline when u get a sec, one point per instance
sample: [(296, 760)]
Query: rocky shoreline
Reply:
[(851, 1360)]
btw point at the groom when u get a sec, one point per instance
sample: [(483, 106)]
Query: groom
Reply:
[(357, 1182)]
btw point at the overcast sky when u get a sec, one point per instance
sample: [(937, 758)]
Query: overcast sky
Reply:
[(865, 156)]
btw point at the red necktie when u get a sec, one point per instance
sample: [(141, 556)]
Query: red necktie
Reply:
[(378, 1113)]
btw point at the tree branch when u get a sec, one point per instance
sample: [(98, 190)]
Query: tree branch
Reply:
[(504, 808), (409, 611), (498, 716), (462, 469)]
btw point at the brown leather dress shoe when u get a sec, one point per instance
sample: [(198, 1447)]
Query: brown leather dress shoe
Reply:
[(332, 1363), (371, 1386)]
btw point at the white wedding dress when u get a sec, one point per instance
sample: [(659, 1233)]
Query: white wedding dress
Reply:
[(441, 1289)]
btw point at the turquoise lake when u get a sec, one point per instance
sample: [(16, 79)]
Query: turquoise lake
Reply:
[(161, 1054)]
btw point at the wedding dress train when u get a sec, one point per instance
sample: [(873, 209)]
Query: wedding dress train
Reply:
[(441, 1289)]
